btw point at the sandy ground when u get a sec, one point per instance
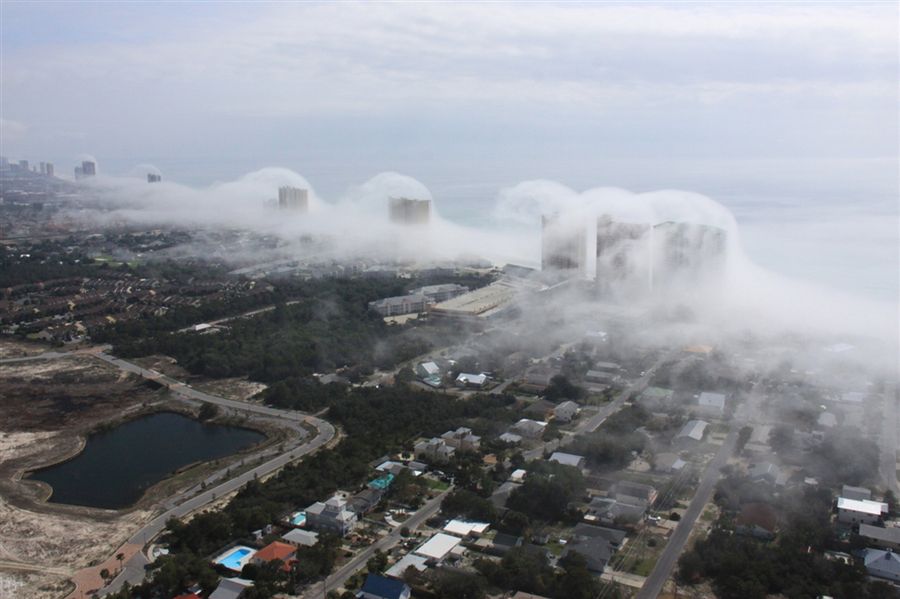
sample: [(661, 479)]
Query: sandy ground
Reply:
[(19, 349), (32, 585)]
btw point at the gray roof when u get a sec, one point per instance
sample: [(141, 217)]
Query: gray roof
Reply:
[(694, 429), (884, 564), (886, 535), (230, 588), (712, 400), (856, 492), (567, 459), (595, 550), (301, 537), (587, 531)]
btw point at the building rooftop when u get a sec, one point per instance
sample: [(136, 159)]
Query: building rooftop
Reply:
[(694, 429), (407, 561), (712, 400), (387, 588), (886, 535), (438, 546), (465, 527), (864, 506), (566, 459)]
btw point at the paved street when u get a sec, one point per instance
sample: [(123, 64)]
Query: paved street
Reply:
[(670, 554), (338, 578)]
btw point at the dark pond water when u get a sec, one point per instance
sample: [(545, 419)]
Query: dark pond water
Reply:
[(117, 466)]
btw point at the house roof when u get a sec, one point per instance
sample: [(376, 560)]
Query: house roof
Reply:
[(886, 535), (694, 429), (471, 379), (438, 546), (275, 550), (464, 527), (230, 588), (588, 531), (301, 537), (712, 400), (855, 492), (882, 563), (407, 561), (863, 506), (566, 459), (595, 550), (387, 588)]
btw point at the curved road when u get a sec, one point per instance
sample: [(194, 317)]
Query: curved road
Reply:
[(133, 571)]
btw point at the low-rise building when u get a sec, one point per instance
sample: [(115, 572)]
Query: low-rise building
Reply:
[(882, 564), (757, 520), (438, 547), (466, 379), (567, 459), (401, 304), (300, 538), (528, 428), (331, 516), (856, 511), (713, 403), (692, 432), (596, 552), (379, 587), (668, 462), (440, 293), (462, 439), (231, 588), (566, 411), (410, 560), (887, 537), (427, 369), (276, 550), (626, 491), (434, 450), (855, 492)]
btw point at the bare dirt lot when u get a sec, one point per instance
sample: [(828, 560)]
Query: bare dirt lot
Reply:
[(47, 409)]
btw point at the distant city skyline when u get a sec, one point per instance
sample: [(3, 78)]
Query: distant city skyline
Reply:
[(785, 113)]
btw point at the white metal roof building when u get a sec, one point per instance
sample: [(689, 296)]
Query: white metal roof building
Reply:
[(438, 546), (712, 401), (854, 511), (694, 429), (464, 528), (407, 561)]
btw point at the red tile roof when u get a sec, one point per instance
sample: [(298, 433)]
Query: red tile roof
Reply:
[(275, 550)]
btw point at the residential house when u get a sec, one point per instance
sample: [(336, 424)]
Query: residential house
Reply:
[(331, 516), (884, 538), (856, 511), (230, 588), (410, 560), (300, 538), (764, 471), (427, 369), (568, 459), (596, 552), (503, 542), (882, 564), (616, 538), (462, 439), (365, 501), (540, 409), (627, 491), (469, 380), (668, 462), (712, 403), (601, 377), (691, 433), (433, 450), (380, 587), (608, 510), (527, 428), (566, 411), (511, 438), (855, 492), (276, 550)]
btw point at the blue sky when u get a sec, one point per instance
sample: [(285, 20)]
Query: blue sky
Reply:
[(785, 112)]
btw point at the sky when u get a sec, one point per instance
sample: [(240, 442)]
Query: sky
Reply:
[(785, 113)]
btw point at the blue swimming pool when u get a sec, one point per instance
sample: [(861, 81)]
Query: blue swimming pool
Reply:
[(236, 558), (382, 483), (298, 519)]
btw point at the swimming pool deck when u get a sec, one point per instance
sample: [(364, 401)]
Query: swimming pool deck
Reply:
[(235, 558)]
